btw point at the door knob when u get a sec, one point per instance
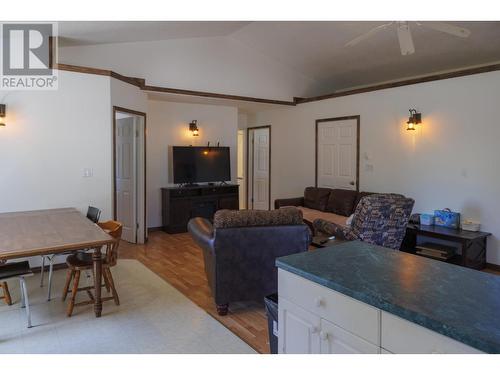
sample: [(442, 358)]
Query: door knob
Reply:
[(351, 183), (318, 301), (323, 335), (314, 329)]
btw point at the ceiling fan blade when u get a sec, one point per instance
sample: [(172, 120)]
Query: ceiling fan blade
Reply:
[(405, 39), (368, 34), (447, 28)]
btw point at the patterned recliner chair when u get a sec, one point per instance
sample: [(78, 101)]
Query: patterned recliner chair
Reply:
[(379, 219)]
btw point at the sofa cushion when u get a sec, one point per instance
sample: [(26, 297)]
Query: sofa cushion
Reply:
[(253, 218), (316, 198), (311, 215), (341, 202)]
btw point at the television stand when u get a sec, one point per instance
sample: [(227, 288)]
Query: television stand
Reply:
[(180, 204)]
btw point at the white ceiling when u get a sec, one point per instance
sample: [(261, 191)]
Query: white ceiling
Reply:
[(103, 32), (316, 49)]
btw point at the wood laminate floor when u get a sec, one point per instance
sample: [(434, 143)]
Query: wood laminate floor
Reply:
[(179, 261)]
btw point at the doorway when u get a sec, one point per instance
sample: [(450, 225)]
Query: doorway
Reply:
[(337, 152), (129, 173), (259, 168), (241, 170)]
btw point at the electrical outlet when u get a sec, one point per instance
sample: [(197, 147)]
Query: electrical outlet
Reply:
[(87, 172)]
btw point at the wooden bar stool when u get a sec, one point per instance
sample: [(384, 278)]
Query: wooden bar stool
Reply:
[(5, 288), (6, 293), (93, 214), (83, 261)]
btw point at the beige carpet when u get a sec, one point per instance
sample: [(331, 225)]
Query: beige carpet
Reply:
[(153, 318)]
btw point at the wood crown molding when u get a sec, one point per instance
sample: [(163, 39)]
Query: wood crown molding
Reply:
[(405, 82), (141, 83)]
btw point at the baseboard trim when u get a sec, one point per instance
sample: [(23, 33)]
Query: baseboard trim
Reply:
[(494, 267), (154, 229)]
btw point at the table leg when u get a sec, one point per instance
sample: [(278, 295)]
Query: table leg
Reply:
[(96, 257)]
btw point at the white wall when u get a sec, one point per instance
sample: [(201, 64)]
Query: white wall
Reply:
[(128, 96), (50, 137), (168, 126), (131, 97), (216, 64), (450, 161)]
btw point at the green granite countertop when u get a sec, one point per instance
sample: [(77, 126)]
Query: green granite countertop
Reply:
[(457, 302)]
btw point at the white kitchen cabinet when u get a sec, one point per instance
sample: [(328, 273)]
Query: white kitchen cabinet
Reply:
[(302, 332), (403, 337), (316, 319), (335, 340), (298, 331)]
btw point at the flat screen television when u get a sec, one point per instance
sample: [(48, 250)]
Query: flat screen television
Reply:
[(194, 164)]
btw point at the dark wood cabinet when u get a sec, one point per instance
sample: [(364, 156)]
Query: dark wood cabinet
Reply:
[(179, 204), (471, 245)]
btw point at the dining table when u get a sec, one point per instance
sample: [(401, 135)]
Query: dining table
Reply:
[(53, 231)]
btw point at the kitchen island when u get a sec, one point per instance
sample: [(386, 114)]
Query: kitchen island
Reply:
[(359, 298)]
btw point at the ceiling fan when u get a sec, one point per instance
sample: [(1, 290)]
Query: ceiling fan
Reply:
[(404, 34)]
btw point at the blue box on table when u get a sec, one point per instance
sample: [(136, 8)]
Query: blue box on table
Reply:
[(447, 218)]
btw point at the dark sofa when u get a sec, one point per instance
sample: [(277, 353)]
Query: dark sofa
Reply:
[(240, 250), (333, 205)]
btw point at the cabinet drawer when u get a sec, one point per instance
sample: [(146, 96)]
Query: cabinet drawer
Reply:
[(220, 190), (335, 340), (354, 316), (401, 336), (179, 193)]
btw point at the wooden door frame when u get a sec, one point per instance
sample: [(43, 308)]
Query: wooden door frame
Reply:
[(248, 164), (358, 121), (137, 113)]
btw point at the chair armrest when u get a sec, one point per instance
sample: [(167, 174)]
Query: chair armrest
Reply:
[(331, 229), (288, 202), (202, 231)]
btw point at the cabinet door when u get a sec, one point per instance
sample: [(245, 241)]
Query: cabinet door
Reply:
[(180, 212), (298, 330), (228, 203), (335, 340)]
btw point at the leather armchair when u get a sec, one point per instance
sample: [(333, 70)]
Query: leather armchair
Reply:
[(240, 261)]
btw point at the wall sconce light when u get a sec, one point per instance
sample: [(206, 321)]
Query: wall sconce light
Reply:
[(414, 119), (193, 128), (2, 114)]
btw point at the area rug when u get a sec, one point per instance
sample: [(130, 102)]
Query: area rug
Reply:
[(153, 317)]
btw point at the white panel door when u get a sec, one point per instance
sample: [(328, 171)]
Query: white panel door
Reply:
[(335, 340), (298, 329), (260, 181), (337, 154), (126, 177)]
